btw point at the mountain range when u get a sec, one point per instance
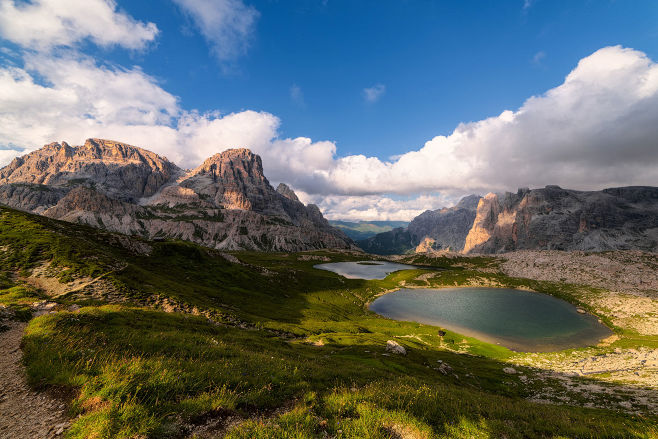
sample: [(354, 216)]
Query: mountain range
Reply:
[(358, 230), (228, 203), (549, 218), (225, 203)]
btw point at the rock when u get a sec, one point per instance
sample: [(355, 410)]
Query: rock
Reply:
[(581, 311), (445, 369), (509, 370), (395, 348), (441, 229), (284, 190), (74, 308), (226, 203), (553, 218), (549, 218)]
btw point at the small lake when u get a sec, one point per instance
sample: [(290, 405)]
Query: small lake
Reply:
[(364, 269), (519, 320)]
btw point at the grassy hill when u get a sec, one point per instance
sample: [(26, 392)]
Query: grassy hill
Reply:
[(175, 340)]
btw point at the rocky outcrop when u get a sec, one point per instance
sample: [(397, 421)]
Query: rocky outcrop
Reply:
[(485, 220), (553, 218), (120, 170), (447, 227), (226, 203), (284, 190), (549, 218), (441, 229)]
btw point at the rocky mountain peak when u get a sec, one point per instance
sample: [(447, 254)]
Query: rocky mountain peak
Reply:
[(285, 190), (119, 169), (232, 162), (225, 203), (469, 202)]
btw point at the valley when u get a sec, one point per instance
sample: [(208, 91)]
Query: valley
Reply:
[(170, 339)]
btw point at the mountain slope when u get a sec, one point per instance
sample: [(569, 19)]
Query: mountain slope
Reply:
[(441, 229), (183, 341), (366, 229), (553, 218), (225, 203), (549, 218)]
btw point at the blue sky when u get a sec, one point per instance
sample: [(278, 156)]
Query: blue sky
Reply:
[(441, 63), (371, 109)]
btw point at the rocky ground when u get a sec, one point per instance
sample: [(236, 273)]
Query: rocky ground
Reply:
[(630, 272), (24, 413), (625, 289)]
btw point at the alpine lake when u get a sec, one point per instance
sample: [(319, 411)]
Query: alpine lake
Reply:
[(520, 320)]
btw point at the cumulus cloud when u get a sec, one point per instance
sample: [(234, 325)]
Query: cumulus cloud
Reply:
[(372, 94), (44, 24), (599, 128), (75, 98), (375, 207), (227, 25)]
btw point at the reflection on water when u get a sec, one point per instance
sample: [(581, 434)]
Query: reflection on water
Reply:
[(519, 320), (364, 269)]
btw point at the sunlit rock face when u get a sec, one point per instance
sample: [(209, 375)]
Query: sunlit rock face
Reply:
[(553, 218), (447, 227), (550, 218), (226, 203), (123, 171), (432, 230)]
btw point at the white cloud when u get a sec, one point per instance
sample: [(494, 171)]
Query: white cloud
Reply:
[(375, 207), (597, 129), (80, 99), (227, 25), (538, 57), (74, 98), (44, 24), (297, 95), (374, 93)]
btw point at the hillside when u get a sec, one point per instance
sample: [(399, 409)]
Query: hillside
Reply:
[(170, 339), (225, 203), (366, 229), (549, 218)]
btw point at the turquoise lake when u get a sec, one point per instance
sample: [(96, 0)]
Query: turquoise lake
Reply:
[(519, 320), (364, 269)]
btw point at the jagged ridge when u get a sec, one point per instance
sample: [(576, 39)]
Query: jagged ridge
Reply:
[(225, 203), (549, 218)]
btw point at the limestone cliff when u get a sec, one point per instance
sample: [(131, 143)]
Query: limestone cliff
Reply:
[(441, 229), (120, 170), (553, 218), (225, 203), (549, 218)]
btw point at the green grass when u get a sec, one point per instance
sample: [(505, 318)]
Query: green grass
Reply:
[(142, 372)]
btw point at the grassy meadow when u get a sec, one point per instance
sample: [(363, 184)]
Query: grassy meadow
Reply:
[(268, 347)]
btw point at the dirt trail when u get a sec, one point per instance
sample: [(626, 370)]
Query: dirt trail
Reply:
[(24, 413)]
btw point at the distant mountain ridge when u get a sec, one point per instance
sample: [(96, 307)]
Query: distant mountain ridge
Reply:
[(225, 203), (548, 218), (365, 229)]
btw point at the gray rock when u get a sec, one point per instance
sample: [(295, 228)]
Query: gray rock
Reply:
[(395, 348), (225, 203)]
